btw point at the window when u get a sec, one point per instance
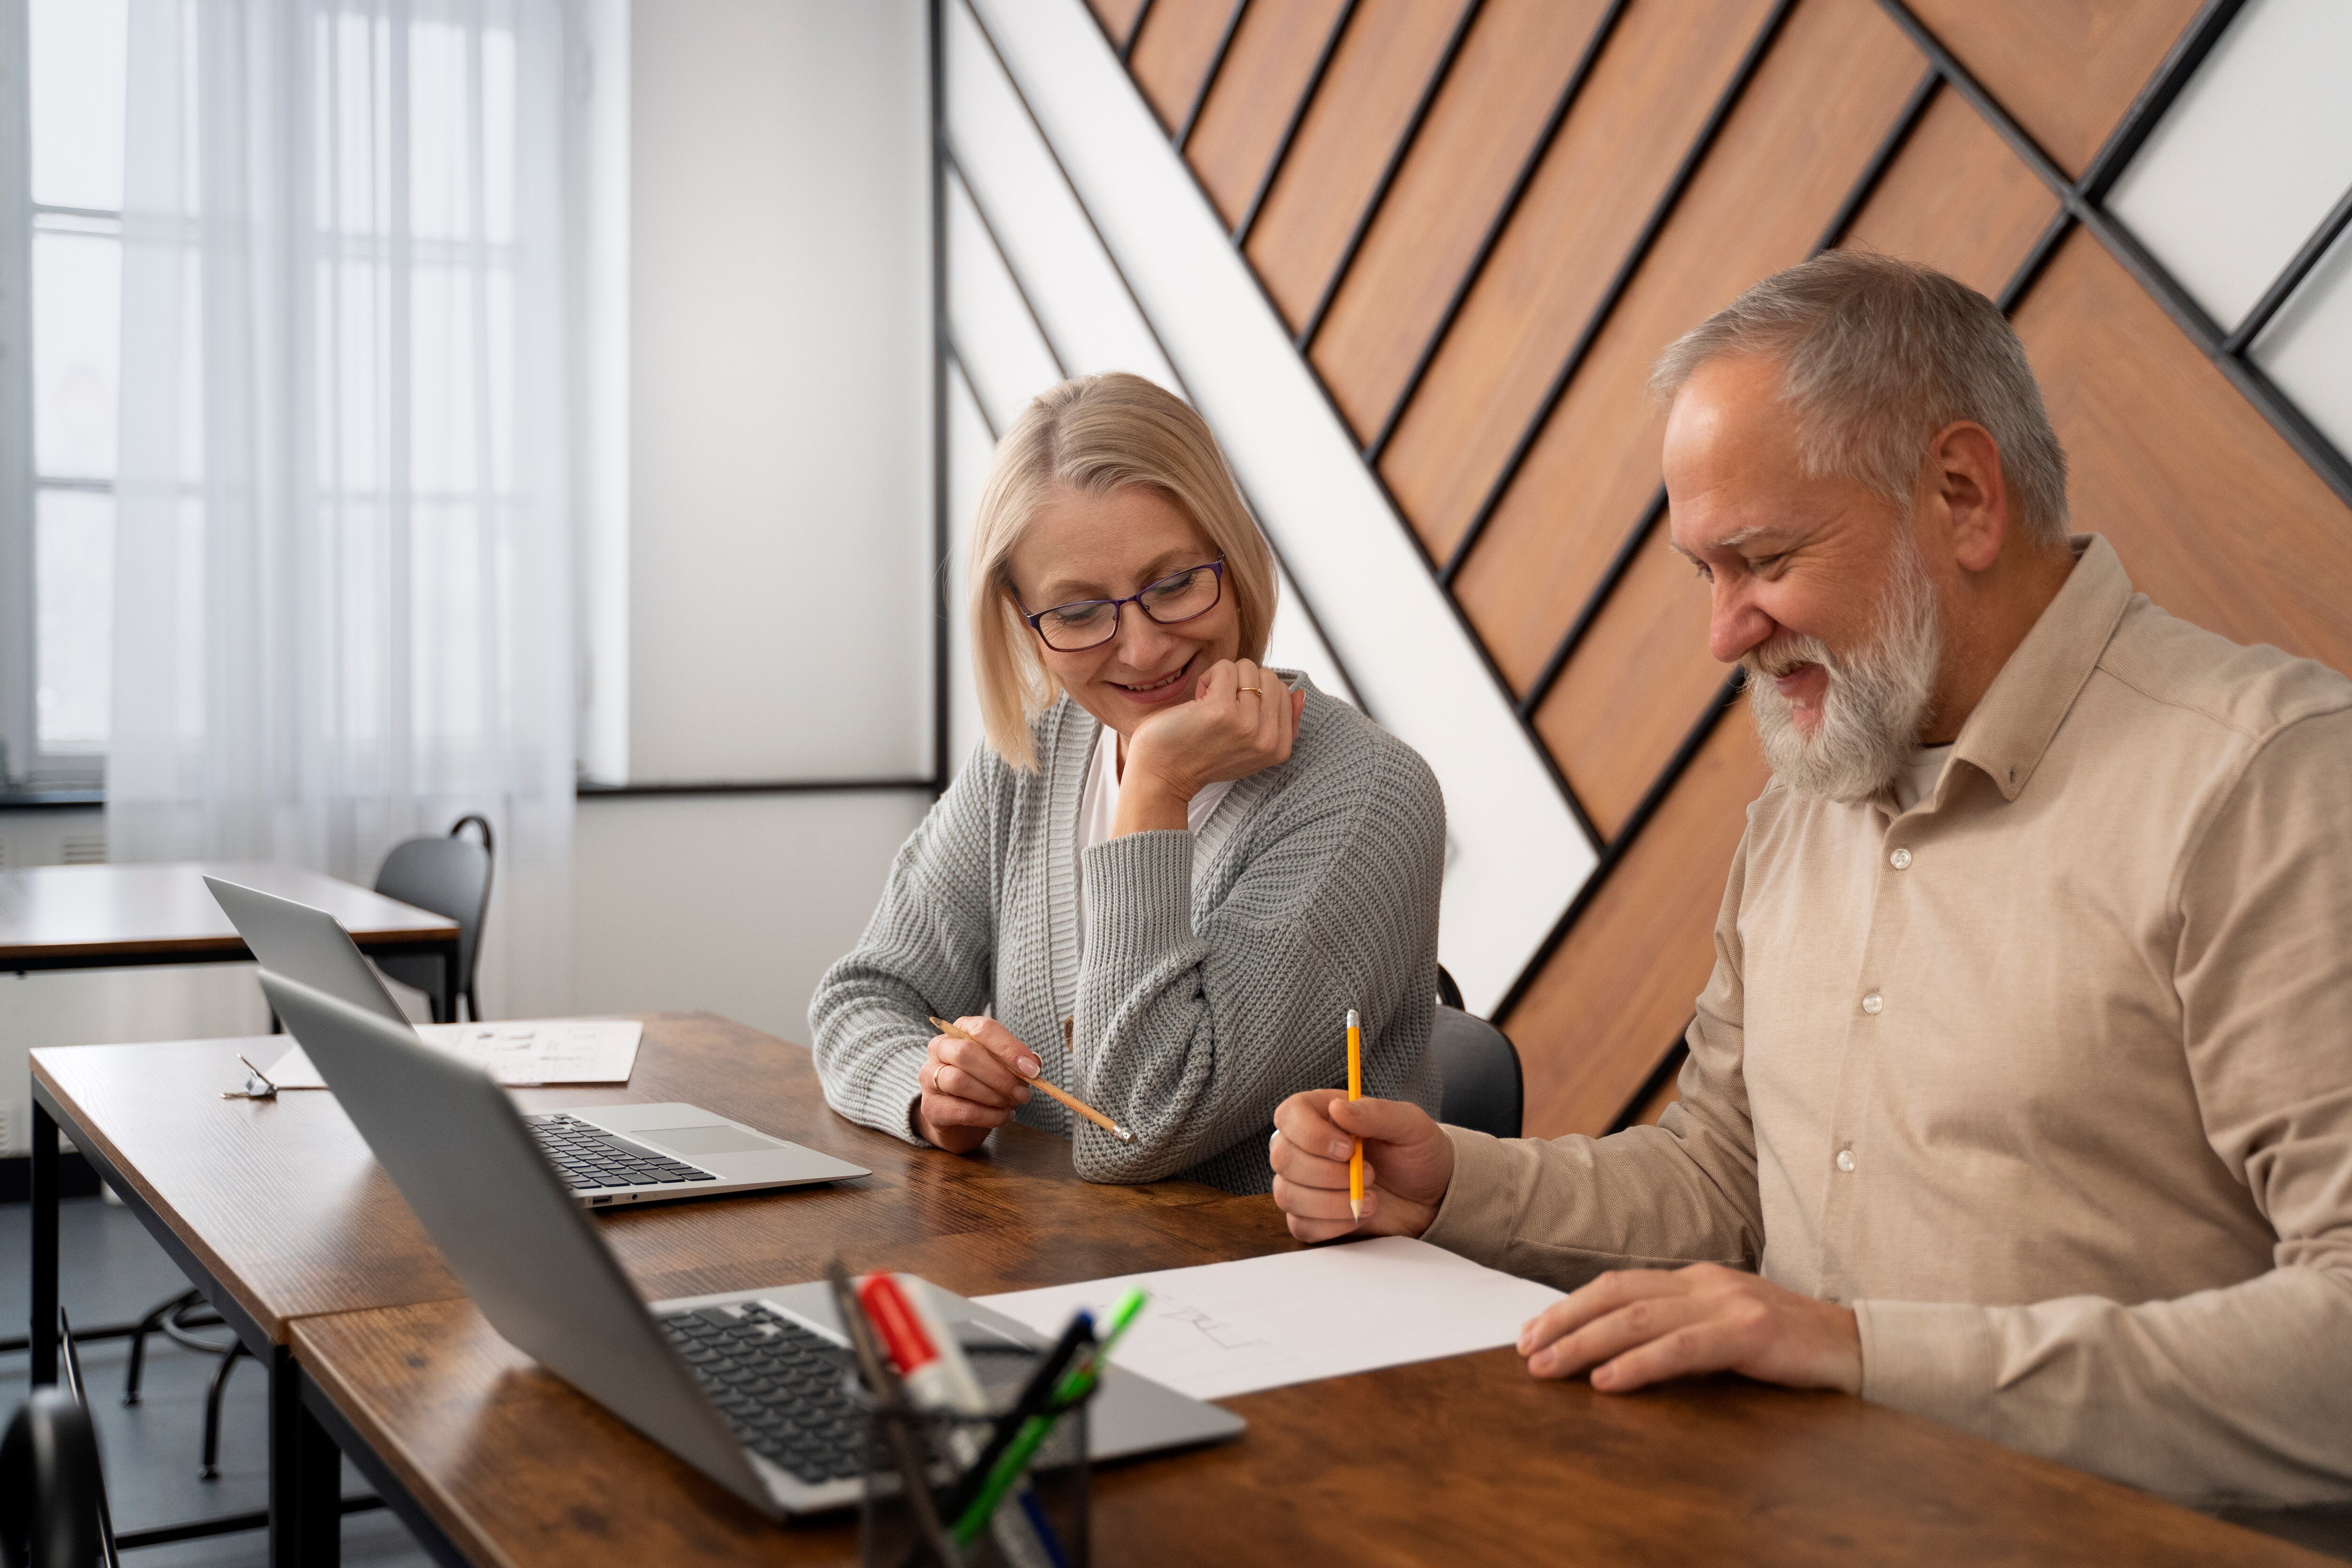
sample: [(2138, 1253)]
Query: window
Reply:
[(65, 270)]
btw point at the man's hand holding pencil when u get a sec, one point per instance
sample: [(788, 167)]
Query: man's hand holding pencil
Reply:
[(1408, 1164)]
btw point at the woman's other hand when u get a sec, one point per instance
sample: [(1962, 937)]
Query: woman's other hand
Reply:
[(971, 1087), (1242, 720)]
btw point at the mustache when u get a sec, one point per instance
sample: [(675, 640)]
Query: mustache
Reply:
[(1784, 654)]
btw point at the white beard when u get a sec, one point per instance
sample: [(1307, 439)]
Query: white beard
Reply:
[(1875, 704)]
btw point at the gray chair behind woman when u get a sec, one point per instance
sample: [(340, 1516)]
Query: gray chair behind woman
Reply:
[(1478, 1067), (451, 877)]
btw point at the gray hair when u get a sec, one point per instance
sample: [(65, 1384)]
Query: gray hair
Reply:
[(1880, 354)]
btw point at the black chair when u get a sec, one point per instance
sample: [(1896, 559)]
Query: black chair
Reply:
[(451, 877), (53, 1512), (1477, 1066)]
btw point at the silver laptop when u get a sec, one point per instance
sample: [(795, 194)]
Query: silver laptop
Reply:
[(683, 1372), (607, 1154)]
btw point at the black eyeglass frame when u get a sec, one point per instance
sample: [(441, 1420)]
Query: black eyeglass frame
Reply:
[(1118, 606)]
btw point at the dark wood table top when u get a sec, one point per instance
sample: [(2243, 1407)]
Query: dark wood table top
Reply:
[(52, 912), (281, 1201), (1463, 1461)]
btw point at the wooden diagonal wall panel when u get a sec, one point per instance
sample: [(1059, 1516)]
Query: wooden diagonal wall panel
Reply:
[(1818, 109), (1501, 88), (1953, 162), (1639, 680), (2065, 69), (1258, 90), (1174, 50), (2215, 517), (1643, 673), (1647, 97), (1376, 76), (1592, 1027)]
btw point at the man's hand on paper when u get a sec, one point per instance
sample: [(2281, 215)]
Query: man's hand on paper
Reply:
[(1408, 1163), (972, 1087), (1640, 1326)]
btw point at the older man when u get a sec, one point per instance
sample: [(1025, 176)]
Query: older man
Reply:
[(2021, 1082)]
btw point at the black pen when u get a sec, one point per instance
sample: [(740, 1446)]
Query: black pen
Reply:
[(1035, 1394)]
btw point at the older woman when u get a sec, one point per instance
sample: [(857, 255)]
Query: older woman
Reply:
[(1169, 872)]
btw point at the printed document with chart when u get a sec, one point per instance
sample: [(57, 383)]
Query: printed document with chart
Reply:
[(517, 1052), (1223, 1329)]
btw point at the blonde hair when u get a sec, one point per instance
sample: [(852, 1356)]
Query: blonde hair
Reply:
[(1096, 435)]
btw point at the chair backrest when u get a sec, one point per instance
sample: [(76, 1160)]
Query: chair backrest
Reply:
[(450, 877), (53, 1512), (1479, 1069)]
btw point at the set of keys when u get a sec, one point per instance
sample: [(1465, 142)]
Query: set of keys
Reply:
[(256, 1083)]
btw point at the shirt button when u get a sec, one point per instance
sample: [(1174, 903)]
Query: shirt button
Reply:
[(1900, 860), (1845, 1160), (1873, 1003)]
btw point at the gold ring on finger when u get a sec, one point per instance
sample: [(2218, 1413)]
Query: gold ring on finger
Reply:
[(1253, 691)]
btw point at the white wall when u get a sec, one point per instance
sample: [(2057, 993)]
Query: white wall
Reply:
[(780, 266), (733, 903)]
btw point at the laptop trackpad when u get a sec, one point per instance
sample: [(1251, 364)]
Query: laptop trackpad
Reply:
[(707, 1140)]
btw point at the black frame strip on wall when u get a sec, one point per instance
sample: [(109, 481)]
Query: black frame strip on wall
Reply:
[(996, 243), (1126, 46), (936, 44)]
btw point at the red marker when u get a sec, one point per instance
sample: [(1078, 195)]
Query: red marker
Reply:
[(932, 1364)]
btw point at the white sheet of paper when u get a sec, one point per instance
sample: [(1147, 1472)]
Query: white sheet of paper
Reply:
[(1223, 1329), (517, 1052)]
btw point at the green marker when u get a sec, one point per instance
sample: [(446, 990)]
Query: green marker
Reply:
[(1076, 1383)]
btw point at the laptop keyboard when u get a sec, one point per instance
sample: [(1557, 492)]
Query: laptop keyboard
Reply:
[(780, 1386), (589, 1157)]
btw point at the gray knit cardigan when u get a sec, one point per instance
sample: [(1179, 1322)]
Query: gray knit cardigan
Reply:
[(1213, 979)]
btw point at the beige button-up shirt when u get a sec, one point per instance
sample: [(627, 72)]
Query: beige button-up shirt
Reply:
[(2049, 1076)]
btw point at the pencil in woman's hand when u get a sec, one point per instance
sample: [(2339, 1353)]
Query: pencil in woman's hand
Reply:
[(1355, 1091), (1071, 1101)]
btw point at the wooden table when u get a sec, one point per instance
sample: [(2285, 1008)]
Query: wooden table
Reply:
[(117, 917), (491, 1460), (109, 916)]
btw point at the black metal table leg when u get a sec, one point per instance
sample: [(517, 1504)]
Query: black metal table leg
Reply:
[(43, 1329), (306, 1511)]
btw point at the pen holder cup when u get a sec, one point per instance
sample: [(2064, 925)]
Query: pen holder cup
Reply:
[(1043, 1522)]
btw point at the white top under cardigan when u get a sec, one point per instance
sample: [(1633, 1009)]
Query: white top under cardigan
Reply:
[(1098, 806)]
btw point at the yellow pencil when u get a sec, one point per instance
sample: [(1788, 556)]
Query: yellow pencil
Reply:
[(1071, 1101), (1355, 1091)]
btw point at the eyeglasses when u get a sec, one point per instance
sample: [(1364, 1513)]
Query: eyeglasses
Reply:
[(1090, 623)]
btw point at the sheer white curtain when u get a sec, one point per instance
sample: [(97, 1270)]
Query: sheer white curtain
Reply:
[(344, 579)]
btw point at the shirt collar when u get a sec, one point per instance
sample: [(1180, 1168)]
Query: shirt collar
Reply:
[(2020, 711)]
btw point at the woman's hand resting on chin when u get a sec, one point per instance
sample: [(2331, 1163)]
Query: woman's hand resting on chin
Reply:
[(1242, 720)]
